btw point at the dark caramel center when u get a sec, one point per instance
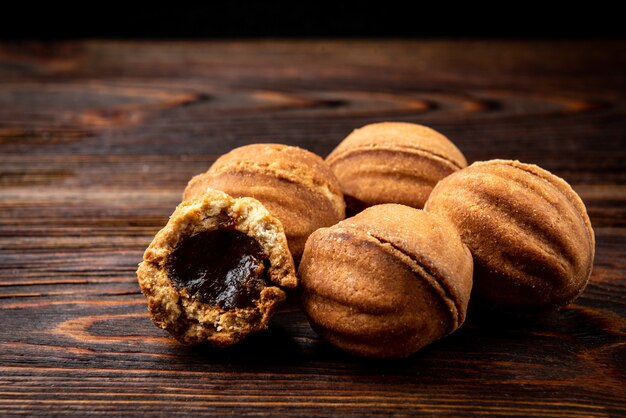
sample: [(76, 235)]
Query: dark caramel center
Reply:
[(222, 267)]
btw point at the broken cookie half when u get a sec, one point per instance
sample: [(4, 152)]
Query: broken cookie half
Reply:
[(217, 271)]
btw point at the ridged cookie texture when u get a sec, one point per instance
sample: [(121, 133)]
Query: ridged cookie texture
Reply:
[(392, 162), (180, 309), (528, 231), (295, 185), (386, 282)]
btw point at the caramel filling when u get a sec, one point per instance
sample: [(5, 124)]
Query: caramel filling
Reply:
[(221, 267)]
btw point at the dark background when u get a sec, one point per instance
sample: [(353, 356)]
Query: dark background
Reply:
[(235, 19)]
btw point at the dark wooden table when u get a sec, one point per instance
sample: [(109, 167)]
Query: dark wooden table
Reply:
[(98, 139)]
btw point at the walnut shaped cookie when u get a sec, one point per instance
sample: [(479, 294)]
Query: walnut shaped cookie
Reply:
[(386, 282), (392, 162), (527, 229)]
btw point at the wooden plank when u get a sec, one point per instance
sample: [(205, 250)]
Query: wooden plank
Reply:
[(98, 139)]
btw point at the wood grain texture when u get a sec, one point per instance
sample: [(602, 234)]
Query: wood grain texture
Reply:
[(98, 139)]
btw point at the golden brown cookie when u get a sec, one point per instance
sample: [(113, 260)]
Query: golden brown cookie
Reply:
[(528, 231), (392, 162), (217, 270), (295, 185), (386, 282)]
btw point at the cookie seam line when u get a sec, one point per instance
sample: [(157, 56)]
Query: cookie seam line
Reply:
[(268, 169), (439, 286), (332, 159), (418, 268), (312, 185)]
